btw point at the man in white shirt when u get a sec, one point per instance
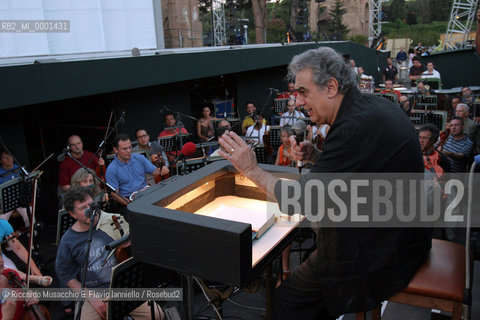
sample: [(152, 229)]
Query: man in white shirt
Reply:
[(290, 117), (431, 72)]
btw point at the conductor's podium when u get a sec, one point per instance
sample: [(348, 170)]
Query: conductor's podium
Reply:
[(166, 231)]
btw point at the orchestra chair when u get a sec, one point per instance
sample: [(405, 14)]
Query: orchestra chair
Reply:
[(438, 284), (64, 221)]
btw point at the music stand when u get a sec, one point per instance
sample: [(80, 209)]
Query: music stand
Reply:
[(275, 136), (187, 166), (438, 118), (426, 102), (260, 153), (64, 221), (132, 273), (280, 105), (12, 190)]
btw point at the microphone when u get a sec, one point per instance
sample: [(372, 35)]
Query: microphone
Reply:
[(90, 211), (300, 128), (188, 150), (62, 155), (122, 118), (273, 89)]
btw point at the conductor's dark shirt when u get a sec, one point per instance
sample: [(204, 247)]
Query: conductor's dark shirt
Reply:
[(357, 268)]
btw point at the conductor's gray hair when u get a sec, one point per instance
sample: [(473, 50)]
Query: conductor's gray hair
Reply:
[(325, 63)]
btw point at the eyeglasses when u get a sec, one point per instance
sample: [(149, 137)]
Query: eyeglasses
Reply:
[(145, 135)]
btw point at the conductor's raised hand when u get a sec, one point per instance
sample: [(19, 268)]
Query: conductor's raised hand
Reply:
[(305, 151), (233, 148)]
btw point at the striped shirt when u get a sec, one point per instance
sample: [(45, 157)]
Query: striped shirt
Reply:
[(465, 146)]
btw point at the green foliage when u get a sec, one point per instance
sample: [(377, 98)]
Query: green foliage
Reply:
[(276, 30), (397, 10), (335, 20), (359, 39), (428, 34)]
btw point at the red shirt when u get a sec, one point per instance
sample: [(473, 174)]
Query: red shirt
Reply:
[(68, 167)]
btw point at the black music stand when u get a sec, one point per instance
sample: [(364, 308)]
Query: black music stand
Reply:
[(260, 153), (135, 274), (12, 191), (64, 221), (280, 105), (275, 136)]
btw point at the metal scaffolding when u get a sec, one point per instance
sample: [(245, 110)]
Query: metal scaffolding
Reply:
[(218, 21), (374, 23), (460, 24)]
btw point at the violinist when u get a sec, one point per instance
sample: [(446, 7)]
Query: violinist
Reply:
[(389, 89), (68, 166), (11, 309), (6, 230), (433, 160), (71, 254), (157, 154), (8, 171), (126, 173), (458, 147)]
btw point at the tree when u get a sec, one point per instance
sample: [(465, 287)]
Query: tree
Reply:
[(335, 23), (397, 10), (260, 19), (423, 11)]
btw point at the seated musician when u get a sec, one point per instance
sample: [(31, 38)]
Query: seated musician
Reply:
[(289, 94), (249, 121), (223, 127), (422, 88), (126, 173), (157, 154), (8, 171), (290, 117), (258, 130), (68, 166), (171, 129), (11, 309), (389, 89), (317, 134), (433, 160), (6, 232), (71, 254), (205, 125)]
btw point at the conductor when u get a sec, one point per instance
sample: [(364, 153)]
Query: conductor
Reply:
[(352, 269)]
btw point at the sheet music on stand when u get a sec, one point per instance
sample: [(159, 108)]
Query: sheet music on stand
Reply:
[(280, 105), (260, 153), (10, 192), (173, 143), (275, 136)]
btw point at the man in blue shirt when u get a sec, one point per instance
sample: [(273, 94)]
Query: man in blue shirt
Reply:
[(126, 173)]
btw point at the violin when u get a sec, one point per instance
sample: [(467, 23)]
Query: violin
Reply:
[(443, 138), (159, 162), (34, 311), (123, 251), (432, 163)]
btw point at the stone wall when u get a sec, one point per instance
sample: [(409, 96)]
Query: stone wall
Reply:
[(356, 18), (181, 24)]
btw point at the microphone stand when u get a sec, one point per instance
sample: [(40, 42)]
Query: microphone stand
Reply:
[(108, 133), (95, 206)]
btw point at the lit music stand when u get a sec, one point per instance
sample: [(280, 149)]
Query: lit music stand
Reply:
[(11, 191), (165, 230)]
